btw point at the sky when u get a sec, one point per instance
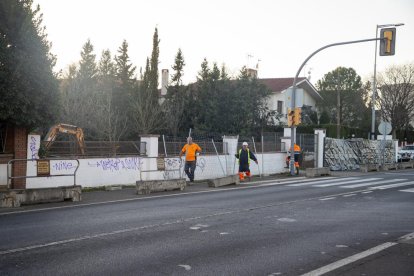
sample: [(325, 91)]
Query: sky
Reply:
[(275, 35)]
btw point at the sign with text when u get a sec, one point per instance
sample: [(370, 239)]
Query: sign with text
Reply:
[(160, 164), (43, 168)]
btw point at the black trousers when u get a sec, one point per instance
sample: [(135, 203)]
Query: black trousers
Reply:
[(189, 169)]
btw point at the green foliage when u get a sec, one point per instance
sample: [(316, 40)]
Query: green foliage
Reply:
[(217, 104), (353, 108), (28, 87), (147, 114), (178, 68)]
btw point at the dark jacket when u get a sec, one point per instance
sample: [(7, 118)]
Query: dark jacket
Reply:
[(243, 156)]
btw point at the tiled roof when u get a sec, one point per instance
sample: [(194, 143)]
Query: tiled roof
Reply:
[(279, 84)]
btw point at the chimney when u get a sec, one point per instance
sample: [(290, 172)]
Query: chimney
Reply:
[(252, 73), (164, 82)]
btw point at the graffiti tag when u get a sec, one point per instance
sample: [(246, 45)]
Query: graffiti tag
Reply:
[(33, 150), (117, 164)]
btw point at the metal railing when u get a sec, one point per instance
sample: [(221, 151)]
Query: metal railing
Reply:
[(167, 165), (96, 148), (12, 161)]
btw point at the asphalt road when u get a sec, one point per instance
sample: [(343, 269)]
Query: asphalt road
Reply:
[(340, 226)]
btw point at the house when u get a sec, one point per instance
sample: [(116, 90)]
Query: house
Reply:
[(280, 98)]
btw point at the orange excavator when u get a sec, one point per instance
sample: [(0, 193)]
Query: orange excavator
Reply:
[(55, 130)]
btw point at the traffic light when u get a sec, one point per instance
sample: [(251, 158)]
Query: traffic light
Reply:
[(290, 116), (387, 43), (297, 117)]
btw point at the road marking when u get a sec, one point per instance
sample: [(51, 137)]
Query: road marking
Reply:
[(347, 182), (186, 267), (327, 198), (408, 190), (401, 173), (168, 223), (372, 183), (349, 195), (153, 197), (313, 181), (289, 181), (275, 180), (383, 187), (351, 259), (367, 192)]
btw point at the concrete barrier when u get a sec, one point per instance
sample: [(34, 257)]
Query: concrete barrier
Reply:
[(146, 187), (406, 165), (312, 172), (223, 181), (390, 166), (369, 167), (16, 198)]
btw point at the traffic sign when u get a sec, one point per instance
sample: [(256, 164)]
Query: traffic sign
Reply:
[(384, 128)]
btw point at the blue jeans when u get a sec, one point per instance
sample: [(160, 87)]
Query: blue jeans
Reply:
[(189, 169)]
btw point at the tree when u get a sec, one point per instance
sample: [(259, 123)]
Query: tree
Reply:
[(28, 87), (106, 67), (396, 97), (147, 114), (343, 97), (124, 69), (176, 96), (178, 68), (153, 73), (109, 122), (79, 92)]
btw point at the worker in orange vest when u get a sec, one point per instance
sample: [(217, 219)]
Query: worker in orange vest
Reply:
[(297, 152), (244, 155), (191, 150)]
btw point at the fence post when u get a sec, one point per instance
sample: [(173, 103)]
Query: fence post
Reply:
[(255, 152), (218, 156), (262, 156), (165, 149)]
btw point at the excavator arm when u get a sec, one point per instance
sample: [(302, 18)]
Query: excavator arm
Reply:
[(55, 130)]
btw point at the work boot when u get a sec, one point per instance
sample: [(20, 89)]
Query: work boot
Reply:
[(241, 176), (249, 175)]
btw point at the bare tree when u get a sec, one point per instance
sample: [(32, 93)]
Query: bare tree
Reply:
[(396, 97), (147, 113)]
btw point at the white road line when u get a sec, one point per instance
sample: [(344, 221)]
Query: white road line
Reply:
[(288, 181), (351, 259), (276, 180), (349, 195), (400, 173), (327, 198), (407, 190), (313, 181), (367, 192), (178, 221), (372, 183), (151, 197), (383, 187), (346, 182)]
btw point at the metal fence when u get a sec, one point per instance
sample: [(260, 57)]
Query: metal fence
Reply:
[(96, 148), (169, 146)]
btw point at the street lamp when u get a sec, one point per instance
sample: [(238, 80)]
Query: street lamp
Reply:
[(374, 83)]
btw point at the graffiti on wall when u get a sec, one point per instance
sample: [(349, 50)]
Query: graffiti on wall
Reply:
[(118, 164), (34, 151), (174, 167), (64, 165)]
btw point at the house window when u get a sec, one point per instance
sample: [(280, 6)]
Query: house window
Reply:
[(280, 107)]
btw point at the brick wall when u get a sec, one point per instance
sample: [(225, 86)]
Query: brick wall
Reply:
[(20, 152)]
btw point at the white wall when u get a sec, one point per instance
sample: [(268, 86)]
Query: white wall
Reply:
[(99, 172), (3, 174)]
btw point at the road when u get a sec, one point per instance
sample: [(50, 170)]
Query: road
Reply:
[(275, 227)]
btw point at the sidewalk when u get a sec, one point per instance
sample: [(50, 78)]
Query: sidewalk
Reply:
[(100, 195), (125, 193)]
